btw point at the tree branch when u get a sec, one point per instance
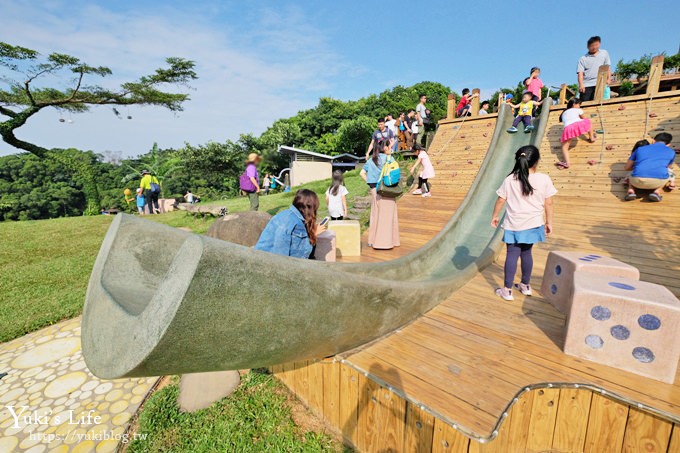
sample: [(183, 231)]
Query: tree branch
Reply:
[(28, 92), (8, 112)]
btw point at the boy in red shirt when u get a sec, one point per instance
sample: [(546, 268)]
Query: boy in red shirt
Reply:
[(463, 108)]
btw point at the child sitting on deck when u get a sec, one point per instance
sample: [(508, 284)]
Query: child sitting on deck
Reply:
[(528, 195), (575, 125), (525, 113), (426, 173)]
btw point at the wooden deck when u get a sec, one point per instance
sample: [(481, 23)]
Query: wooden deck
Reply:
[(459, 368)]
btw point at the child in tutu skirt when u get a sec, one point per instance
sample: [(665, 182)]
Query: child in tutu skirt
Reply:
[(575, 125)]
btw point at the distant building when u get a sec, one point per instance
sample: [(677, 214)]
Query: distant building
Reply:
[(308, 166)]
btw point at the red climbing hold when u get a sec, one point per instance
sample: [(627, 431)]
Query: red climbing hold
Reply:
[(454, 174), (609, 147), (462, 136), (653, 115), (622, 107), (592, 162), (488, 125), (485, 134), (468, 147), (470, 162)]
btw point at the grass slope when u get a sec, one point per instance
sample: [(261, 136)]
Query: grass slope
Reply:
[(255, 418), (45, 264)]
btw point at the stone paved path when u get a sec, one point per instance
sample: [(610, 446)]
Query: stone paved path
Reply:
[(68, 409)]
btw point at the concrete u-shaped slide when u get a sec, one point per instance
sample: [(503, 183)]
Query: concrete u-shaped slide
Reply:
[(164, 301)]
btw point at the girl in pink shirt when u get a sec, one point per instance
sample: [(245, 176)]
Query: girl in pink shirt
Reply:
[(528, 195), (534, 84), (426, 173)]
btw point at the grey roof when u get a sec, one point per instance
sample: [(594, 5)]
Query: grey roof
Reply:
[(292, 150)]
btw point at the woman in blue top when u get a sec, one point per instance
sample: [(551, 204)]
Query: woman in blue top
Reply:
[(383, 229), (293, 232)]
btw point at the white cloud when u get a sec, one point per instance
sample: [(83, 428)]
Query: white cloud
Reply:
[(280, 64)]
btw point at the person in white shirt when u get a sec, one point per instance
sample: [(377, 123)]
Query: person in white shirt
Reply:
[(189, 197), (588, 67), (336, 197), (484, 110), (391, 124), (422, 118)]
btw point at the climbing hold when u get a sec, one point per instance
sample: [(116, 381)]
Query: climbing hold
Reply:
[(600, 131), (488, 124), (454, 174), (2, 375), (485, 134), (455, 127), (617, 179), (653, 115), (468, 147), (593, 115), (622, 107), (609, 147), (592, 162), (462, 136), (469, 162)]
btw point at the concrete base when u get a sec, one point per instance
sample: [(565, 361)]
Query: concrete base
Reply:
[(624, 323), (557, 287), (200, 390), (325, 247), (347, 237)]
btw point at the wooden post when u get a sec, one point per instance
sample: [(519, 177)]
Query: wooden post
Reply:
[(501, 100), (563, 94), (474, 108), (451, 107), (655, 71), (601, 82)]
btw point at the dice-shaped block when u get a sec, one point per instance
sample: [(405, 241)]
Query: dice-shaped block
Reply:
[(347, 237), (325, 246), (559, 274), (624, 323)]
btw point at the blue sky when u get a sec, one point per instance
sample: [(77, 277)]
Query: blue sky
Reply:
[(262, 60)]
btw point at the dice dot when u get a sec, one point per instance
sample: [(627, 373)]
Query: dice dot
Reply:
[(594, 257), (558, 269), (644, 355), (600, 313), (594, 341), (620, 332), (621, 286), (585, 258), (553, 288), (649, 322)]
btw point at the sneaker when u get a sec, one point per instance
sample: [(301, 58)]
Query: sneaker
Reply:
[(427, 194), (417, 192), (504, 293), (524, 289), (655, 197), (528, 129), (512, 129), (631, 196)]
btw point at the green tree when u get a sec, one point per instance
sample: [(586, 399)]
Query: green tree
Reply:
[(161, 163), (354, 135), (639, 69), (21, 69), (214, 167)]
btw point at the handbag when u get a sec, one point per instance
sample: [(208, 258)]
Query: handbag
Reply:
[(389, 191)]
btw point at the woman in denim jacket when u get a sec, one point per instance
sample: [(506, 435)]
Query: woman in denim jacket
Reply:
[(293, 232)]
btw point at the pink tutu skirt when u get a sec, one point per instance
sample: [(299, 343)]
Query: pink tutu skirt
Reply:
[(576, 129)]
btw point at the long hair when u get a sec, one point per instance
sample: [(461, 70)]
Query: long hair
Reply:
[(307, 203), (377, 149), (338, 180), (640, 143), (525, 158)]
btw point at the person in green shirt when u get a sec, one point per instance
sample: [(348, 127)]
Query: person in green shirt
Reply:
[(151, 189)]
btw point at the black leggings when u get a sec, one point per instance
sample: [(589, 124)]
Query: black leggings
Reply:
[(515, 251), (423, 185), (338, 218)]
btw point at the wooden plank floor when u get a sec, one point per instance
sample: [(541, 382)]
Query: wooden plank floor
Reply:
[(467, 358)]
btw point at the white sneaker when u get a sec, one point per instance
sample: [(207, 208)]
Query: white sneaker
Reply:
[(427, 194), (417, 192), (524, 289), (505, 293)]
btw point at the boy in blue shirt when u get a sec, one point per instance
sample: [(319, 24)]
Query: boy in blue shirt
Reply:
[(651, 168), (140, 201)]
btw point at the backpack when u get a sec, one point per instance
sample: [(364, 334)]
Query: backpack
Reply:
[(391, 172), (154, 187)]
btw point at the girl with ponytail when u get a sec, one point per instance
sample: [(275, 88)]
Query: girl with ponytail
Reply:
[(528, 218)]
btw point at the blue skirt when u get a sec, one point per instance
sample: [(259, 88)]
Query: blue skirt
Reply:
[(530, 236)]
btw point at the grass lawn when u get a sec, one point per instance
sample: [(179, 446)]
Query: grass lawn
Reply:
[(258, 417)]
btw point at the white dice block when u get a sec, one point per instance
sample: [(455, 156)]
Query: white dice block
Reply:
[(561, 266), (624, 323)]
